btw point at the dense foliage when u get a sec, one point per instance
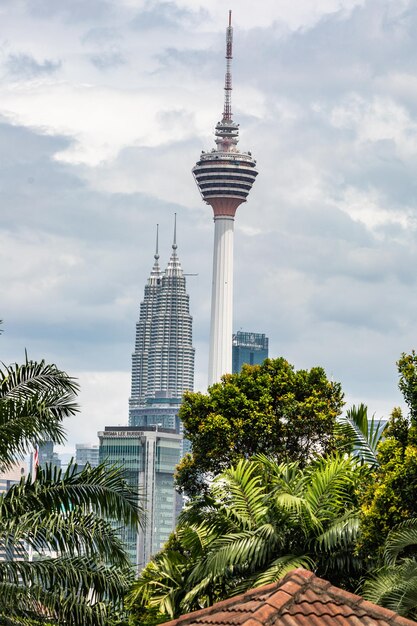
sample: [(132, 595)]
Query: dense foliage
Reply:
[(259, 520), (394, 585), (350, 516), (271, 409), (64, 561), (390, 496)]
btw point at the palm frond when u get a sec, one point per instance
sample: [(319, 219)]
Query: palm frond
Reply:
[(362, 433), (341, 534), (102, 489), (73, 533), (195, 538), (328, 486), (394, 587), (246, 491), (400, 537), (280, 567), (161, 584), (34, 400), (248, 549)]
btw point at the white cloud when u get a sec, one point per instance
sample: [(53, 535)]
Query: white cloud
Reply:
[(103, 402), (377, 119), (367, 207)]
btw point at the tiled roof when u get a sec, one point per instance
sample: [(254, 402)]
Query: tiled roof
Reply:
[(299, 599)]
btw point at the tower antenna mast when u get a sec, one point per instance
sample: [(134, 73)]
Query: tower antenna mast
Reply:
[(227, 113)]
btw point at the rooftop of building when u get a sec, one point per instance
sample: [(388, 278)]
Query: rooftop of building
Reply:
[(299, 599), (138, 429)]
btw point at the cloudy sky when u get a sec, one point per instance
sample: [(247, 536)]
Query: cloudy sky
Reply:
[(105, 106)]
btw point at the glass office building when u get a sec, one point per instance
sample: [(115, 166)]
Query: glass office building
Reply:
[(149, 455), (249, 348)]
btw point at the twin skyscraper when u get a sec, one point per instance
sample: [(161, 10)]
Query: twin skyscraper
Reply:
[(163, 359)]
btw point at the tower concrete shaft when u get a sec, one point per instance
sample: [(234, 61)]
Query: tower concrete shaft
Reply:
[(220, 354), (224, 177)]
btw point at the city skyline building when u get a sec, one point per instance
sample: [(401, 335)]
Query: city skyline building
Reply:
[(47, 455), (163, 359), (248, 348), (86, 453), (149, 455), (224, 177)]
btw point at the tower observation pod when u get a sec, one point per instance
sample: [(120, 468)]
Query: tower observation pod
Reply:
[(224, 177)]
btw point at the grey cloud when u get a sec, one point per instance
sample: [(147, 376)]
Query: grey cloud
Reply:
[(100, 35), (341, 51), (166, 15), (74, 11), (198, 60), (26, 66), (107, 59)]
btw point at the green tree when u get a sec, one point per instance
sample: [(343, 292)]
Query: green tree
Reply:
[(407, 368), (61, 514), (389, 496), (271, 409), (258, 520)]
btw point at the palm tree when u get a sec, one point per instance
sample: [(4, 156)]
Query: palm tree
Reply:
[(81, 570), (394, 585), (259, 520)]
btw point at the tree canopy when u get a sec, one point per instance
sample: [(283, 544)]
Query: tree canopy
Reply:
[(271, 408)]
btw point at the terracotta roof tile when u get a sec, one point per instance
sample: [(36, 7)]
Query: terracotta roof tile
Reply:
[(278, 599), (300, 599)]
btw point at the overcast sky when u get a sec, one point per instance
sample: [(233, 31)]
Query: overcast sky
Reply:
[(105, 106)]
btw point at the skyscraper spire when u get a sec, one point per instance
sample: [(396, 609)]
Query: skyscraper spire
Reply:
[(157, 244), (174, 243), (224, 177), (174, 266), (155, 276)]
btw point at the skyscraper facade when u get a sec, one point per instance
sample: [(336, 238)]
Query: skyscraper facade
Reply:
[(249, 348), (149, 455), (163, 359), (224, 177)]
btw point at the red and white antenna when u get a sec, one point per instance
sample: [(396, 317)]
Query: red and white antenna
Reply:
[(227, 114)]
